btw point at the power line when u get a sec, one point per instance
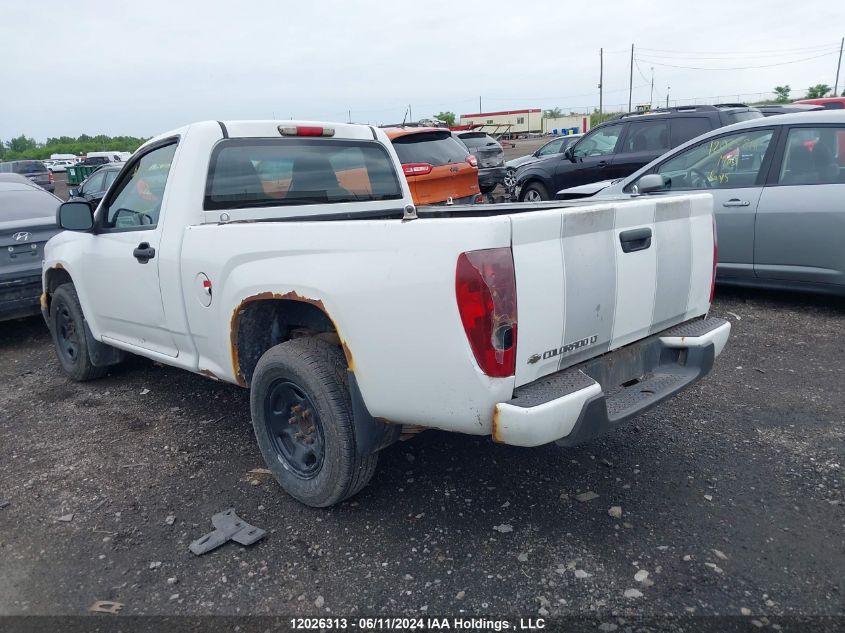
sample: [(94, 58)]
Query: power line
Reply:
[(794, 61), (725, 52)]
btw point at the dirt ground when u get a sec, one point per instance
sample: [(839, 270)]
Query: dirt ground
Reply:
[(731, 497)]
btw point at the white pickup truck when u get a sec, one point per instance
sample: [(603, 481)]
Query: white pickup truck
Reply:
[(288, 258)]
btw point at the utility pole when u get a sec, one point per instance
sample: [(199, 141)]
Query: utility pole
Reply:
[(601, 79), (668, 88), (479, 104), (651, 98), (838, 66), (410, 113), (349, 119), (631, 79)]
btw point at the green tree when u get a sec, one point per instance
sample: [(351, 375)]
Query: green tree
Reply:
[(782, 94), (447, 117), (817, 91), (22, 144), (552, 113), (596, 118)]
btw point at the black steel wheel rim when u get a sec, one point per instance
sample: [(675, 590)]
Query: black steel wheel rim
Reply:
[(67, 334), (294, 428)]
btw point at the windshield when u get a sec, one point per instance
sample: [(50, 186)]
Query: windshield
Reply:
[(276, 172), (26, 204), (474, 141), (434, 148)]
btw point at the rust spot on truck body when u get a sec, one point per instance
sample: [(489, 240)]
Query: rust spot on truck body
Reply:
[(494, 425), (44, 303), (264, 296), (209, 374)]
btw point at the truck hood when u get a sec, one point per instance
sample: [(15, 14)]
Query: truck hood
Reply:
[(522, 160)]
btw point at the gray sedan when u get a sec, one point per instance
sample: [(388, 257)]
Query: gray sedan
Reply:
[(778, 187), (27, 221)]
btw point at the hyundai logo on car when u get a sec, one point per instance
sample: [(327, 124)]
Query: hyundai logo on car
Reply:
[(21, 236)]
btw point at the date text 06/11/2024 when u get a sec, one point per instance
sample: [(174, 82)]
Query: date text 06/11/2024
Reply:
[(412, 624)]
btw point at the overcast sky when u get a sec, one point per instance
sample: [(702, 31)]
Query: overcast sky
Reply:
[(143, 67)]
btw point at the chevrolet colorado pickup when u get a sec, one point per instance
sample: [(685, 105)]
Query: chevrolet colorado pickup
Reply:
[(288, 258)]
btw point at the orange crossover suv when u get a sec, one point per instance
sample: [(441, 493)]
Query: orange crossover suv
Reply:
[(438, 168)]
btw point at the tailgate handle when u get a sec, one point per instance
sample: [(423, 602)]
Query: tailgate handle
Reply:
[(635, 240)]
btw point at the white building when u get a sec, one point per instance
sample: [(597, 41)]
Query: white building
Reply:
[(526, 121)]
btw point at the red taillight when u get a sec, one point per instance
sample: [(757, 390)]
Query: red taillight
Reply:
[(305, 130), (49, 176), (715, 262), (485, 286), (417, 169), (472, 160), (479, 199)]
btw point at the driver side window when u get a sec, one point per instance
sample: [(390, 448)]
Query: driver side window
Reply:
[(726, 162), (137, 203)]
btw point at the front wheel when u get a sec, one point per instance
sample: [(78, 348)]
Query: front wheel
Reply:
[(535, 192), (67, 326), (302, 416), (510, 179)]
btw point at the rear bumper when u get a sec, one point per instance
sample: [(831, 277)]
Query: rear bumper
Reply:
[(491, 177), (20, 297), (583, 402)]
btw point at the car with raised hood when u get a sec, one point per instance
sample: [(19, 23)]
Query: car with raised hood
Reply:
[(27, 221), (557, 145), (489, 154), (778, 186), (439, 169), (34, 170), (289, 258), (622, 145)]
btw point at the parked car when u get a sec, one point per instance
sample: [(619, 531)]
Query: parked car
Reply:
[(97, 184), (92, 161), (778, 186), (60, 165), (621, 146), (438, 168), (490, 156), (557, 145), (828, 103), (352, 314), (27, 221), (32, 169), (787, 108)]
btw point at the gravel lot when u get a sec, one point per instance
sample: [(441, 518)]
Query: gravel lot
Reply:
[(731, 497)]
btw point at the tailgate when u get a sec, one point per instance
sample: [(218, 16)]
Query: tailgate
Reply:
[(490, 156), (455, 180), (580, 294)]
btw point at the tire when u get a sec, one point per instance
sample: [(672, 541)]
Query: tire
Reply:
[(313, 458), (67, 327), (510, 179), (534, 191)]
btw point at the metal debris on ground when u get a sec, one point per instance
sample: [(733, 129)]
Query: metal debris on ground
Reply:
[(4, 503), (228, 526), (66, 518), (106, 606)]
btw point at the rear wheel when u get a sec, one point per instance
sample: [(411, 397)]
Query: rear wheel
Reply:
[(302, 416), (67, 325), (510, 179), (535, 192)]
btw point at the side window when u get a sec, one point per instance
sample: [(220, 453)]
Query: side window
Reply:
[(550, 148), (599, 142), (647, 136), (813, 156), (729, 161), (93, 184), (687, 128), (111, 174), (138, 200)]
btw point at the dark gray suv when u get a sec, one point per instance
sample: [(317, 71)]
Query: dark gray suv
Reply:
[(35, 170), (620, 146)]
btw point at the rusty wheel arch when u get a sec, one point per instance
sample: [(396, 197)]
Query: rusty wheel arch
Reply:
[(244, 360)]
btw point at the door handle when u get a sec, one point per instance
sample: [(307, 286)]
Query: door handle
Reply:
[(635, 240), (736, 202), (144, 252), (601, 163)]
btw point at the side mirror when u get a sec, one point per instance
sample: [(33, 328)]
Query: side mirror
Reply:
[(651, 183), (73, 193), (569, 153), (75, 216)]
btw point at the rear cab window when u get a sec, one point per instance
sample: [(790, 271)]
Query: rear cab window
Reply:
[(434, 148), (256, 172)]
